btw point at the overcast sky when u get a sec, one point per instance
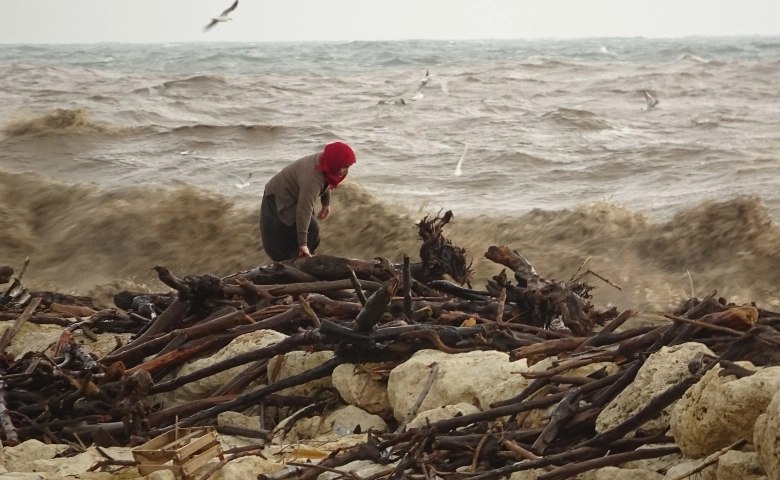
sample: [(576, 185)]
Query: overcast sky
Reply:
[(152, 21)]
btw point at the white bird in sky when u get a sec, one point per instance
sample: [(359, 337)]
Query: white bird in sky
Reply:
[(650, 100), (458, 171), (424, 83), (223, 17), (242, 182)]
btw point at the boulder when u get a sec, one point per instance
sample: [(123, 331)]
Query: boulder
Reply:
[(528, 474), (708, 473), (358, 388), (718, 411), (207, 386), (662, 370), (297, 362), (340, 422), (32, 338), (739, 465), (766, 438), (363, 469), (235, 419), (246, 468), (79, 464), (21, 457), (615, 473), (441, 413), (478, 378), (161, 475)]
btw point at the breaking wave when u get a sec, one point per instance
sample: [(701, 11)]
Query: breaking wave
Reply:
[(62, 122), (79, 236)]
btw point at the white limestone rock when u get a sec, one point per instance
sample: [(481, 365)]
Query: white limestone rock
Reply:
[(718, 411), (767, 440), (662, 370), (207, 386), (357, 388), (297, 362), (478, 378)]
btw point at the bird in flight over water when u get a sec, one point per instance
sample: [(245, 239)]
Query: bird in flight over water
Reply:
[(243, 182), (650, 100), (424, 83), (458, 170), (223, 17)]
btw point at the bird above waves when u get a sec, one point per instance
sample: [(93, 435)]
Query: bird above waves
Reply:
[(242, 182), (458, 171), (424, 83), (223, 17), (650, 100)]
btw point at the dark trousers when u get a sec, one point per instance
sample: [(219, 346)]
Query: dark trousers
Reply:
[(280, 241)]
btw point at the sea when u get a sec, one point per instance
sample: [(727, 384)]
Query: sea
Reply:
[(115, 158)]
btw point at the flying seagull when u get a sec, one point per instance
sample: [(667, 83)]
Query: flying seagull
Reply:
[(242, 182), (424, 83), (458, 171), (651, 100), (222, 18)]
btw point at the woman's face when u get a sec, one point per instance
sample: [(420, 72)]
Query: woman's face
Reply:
[(342, 171)]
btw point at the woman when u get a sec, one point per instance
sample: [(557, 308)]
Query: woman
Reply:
[(287, 224)]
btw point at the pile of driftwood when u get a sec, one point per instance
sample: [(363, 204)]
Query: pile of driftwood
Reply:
[(365, 311)]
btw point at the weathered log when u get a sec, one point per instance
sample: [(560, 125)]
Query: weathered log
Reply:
[(624, 381), (164, 417), (327, 267), (131, 354), (560, 300), (407, 287), (616, 323), (358, 288), (172, 315), (569, 456), (376, 306), (72, 310), (574, 469), (243, 380), (39, 319), (276, 273), (420, 398), (244, 432), (319, 287), (439, 256), (11, 437), (465, 293), (548, 348), (525, 273), (9, 333), (559, 417), (50, 298)]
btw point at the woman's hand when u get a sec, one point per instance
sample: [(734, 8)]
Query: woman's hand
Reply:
[(304, 251), (323, 213)]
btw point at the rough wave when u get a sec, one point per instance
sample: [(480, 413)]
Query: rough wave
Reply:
[(582, 119), (59, 121), (78, 236)]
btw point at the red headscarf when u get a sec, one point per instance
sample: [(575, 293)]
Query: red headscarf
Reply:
[(336, 156)]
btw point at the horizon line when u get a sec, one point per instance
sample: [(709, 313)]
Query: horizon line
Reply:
[(347, 41)]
